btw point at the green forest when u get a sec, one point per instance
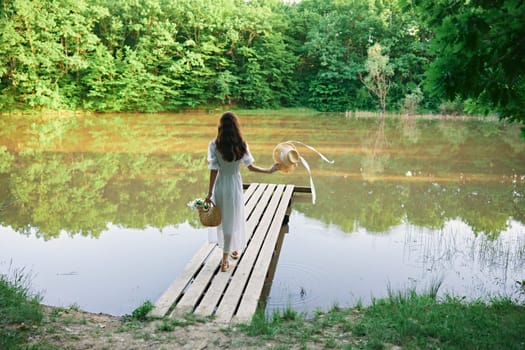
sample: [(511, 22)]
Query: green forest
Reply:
[(445, 56)]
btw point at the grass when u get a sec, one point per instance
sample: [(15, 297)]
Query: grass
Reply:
[(169, 324), (142, 311), (404, 319), (288, 328), (19, 311), (415, 321)]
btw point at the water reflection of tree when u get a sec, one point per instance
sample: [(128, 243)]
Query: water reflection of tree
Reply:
[(455, 133), (411, 132), (77, 174), (378, 204), (83, 193), (376, 156), (48, 188), (80, 192)]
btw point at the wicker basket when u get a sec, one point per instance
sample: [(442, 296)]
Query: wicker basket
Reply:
[(210, 216)]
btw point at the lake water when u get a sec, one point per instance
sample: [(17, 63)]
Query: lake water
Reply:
[(93, 207)]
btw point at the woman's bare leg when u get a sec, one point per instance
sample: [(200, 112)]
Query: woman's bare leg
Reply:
[(225, 265)]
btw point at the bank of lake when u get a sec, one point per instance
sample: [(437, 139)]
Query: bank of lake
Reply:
[(404, 320)]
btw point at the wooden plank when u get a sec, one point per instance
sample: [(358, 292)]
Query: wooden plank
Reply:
[(195, 291), (302, 189), (297, 189), (209, 302), (216, 290), (255, 285), (174, 291), (259, 211), (268, 281), (251, 204), (232, 295), (249, 191)]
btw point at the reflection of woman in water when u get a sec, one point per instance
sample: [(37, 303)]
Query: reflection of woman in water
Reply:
[(225, 154)]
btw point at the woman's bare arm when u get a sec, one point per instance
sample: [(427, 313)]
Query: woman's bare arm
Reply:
[(213, 176), (257, 169)]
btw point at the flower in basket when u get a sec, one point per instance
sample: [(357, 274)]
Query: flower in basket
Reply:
[(209, 213), (198, 203)]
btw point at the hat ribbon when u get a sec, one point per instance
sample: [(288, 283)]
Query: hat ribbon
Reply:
[(307, 167)]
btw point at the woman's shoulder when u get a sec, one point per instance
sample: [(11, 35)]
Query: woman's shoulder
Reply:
[(212, 147)]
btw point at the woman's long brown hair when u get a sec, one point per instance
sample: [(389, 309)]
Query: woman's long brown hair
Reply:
[(229, 139)]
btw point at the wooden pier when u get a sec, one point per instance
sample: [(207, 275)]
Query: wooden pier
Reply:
[(233, 296)]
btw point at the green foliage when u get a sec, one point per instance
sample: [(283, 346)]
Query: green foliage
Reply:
[(142, 56), (156, 55), (338, 34), (479, 53), (405, 319), (142, 311), (378, 74), (414, 321), (454, 107), (169, 324), (43, 44), (269, 326), (412, 101), (19, 309)]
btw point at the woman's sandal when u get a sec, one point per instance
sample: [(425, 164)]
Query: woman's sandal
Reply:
[(235, 255), (225, 266)]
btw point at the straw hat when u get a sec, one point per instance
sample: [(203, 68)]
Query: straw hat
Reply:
[(287, 156)]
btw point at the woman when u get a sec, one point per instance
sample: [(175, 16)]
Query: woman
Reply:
[(225, 155)]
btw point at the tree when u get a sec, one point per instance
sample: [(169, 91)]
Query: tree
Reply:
[(330, 39), (42, 47), (379, 72), (480, 53), (333, 51)]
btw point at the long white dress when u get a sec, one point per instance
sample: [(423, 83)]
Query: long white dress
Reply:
[(228, 195)]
